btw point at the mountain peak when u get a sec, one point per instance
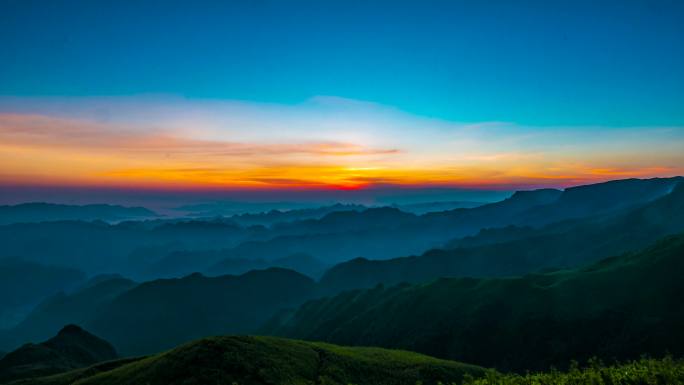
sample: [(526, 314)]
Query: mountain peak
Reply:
[(71, 348), (524, 194), (71, 329)]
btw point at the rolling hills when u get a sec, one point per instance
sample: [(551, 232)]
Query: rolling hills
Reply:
[(621, 307), (76, 307), (18, 294), (339, 235), (156, 315), (266, 360), (515, 250), (161, 314)]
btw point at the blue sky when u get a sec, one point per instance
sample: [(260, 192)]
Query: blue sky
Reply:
[(329, 97), (609, 63)]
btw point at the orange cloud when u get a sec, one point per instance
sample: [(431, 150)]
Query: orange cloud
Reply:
[(42, 149)]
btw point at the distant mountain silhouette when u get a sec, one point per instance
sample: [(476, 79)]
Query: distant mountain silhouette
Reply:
[(430, 207), (520, 284), (281, 216), (235, 208), (300, 262), (74, 243), (40, 212), (221, 262), (340, 235), (385, 232), (588, 200), (160, 314), (344, 221), (156, 315), (61, 309), (268, 360), (518, 250), (619, 308), (71, 348), (545, 206), (543, 231), (23, 284)]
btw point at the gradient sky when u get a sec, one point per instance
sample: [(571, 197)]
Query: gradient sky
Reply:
[(339, 95)]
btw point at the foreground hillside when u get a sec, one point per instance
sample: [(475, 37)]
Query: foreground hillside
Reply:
[(268, 360), (621, 307), (645, 371)]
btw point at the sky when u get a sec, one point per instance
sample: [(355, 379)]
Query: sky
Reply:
[(333, 97)]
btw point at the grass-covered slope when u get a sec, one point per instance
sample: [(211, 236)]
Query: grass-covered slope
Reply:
[(621, 307), (267, 360), (643, 372), (291, 362), (71, 377)]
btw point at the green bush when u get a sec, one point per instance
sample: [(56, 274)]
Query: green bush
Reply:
[(665, 371)]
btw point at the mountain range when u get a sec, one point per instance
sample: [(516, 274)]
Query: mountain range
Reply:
[(19, 294), (618, 308), (529, 283), (515, 250), (340, 235), (44, 212)]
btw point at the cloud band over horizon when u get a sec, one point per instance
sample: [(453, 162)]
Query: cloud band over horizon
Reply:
[(166, 142)]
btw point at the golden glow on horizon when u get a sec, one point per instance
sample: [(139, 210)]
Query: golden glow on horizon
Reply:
[(36, 150)]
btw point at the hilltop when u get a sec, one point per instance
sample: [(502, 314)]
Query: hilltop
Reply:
[(250, 360), (71, 348)]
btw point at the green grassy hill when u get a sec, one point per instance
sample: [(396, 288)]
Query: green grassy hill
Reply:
[(643, 372), (264, 360), (621, 307), (267, 360)]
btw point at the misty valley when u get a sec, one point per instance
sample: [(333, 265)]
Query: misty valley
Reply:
[(341, 192), (531, 283)]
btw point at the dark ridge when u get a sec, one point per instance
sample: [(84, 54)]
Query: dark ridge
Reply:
[(71, 348)]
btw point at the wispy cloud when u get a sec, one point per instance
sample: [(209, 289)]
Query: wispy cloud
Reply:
[(325, 141)]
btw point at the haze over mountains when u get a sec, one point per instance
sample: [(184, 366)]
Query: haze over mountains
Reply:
[(482, 282), (618, 308), (42, 212), (341, 192), (18, 294)]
